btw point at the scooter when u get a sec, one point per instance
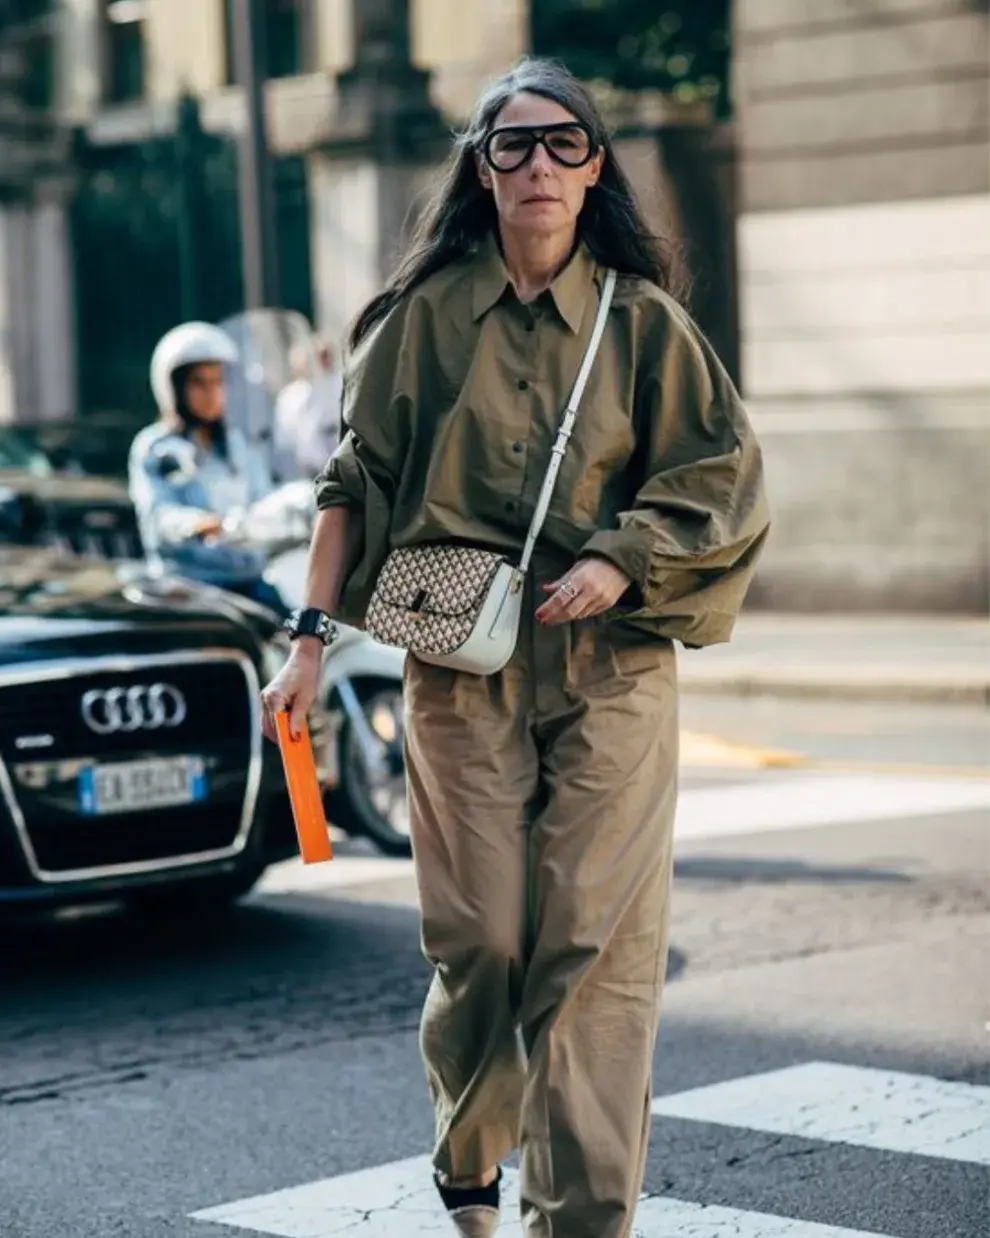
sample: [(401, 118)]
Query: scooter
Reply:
[(361, 684), (361, 693)]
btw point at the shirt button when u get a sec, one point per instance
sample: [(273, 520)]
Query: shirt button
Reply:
[(530, 326), (523, 385), (517, 447)]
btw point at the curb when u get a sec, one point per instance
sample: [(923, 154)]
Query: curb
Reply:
[(796, 686)]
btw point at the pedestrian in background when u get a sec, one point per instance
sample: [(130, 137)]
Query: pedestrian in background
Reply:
[(307, 412), (542, 796)]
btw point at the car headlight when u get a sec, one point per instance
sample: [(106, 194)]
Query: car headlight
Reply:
[(274, 655)]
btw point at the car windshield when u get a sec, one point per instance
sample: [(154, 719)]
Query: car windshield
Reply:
[(15, 454)]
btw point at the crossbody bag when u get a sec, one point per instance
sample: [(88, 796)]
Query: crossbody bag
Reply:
[(460, 606)]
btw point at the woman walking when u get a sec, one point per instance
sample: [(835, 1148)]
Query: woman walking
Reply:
[(542, 795)]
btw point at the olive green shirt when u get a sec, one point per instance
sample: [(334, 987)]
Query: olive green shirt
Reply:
[(451, 405)]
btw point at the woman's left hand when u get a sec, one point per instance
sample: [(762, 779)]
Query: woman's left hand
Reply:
[(590, 588)]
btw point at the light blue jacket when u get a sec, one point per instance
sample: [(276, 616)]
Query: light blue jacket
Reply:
[(174, 483)]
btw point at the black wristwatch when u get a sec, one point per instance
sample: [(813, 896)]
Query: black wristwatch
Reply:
[(311, 622)]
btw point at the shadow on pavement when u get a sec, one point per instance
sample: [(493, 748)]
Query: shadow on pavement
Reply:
[(110, 998), (745, 871)]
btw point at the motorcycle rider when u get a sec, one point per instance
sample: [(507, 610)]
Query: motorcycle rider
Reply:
[(192, 476)]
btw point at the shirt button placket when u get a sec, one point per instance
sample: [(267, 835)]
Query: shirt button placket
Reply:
[(529, 350), (518, 448)]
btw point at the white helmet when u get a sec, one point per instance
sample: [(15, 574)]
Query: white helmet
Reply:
[(189, 344)]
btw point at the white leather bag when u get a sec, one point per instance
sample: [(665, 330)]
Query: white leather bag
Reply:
[(458, 606)]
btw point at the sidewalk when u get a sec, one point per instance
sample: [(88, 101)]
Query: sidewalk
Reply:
[(847, 657)]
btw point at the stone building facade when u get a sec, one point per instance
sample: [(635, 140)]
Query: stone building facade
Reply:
[(850, 236), (863, 240)]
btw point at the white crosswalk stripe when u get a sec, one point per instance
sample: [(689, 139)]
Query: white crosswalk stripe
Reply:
[(800, 802), (885, 1110), (399, 1201)]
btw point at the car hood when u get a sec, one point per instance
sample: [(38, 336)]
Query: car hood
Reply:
[(48, 597), (65, 488)]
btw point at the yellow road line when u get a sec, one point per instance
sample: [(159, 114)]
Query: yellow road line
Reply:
[(900, 767), (699, 749)]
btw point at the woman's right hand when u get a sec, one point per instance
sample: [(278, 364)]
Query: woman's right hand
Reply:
[(294, 688)]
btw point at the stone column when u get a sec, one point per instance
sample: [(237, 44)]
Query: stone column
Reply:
[(54, 333), (383, 95), (384, 146), (15, 370), (79, 61), (37, 318), (681, 165), (37, 380)]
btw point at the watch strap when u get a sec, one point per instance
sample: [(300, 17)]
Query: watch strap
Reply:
[(311, 621)]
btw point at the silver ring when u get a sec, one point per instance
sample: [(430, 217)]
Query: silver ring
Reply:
[(569, 590)]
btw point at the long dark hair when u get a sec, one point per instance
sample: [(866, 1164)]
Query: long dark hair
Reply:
[(216, 431), (462, 212)]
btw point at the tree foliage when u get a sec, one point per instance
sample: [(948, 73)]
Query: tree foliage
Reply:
[(679, 46)]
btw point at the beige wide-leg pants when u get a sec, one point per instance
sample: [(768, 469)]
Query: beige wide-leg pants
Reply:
[(542, 803)]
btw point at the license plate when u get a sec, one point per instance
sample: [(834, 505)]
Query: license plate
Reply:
[(134, 786)]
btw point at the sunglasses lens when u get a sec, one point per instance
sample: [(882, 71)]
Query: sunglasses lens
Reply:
[(570, 146), (509, 149)]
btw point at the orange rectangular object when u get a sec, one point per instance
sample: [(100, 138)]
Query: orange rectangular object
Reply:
[(304, 792)]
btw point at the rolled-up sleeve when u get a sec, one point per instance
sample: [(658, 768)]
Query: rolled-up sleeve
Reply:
[(694, 530)]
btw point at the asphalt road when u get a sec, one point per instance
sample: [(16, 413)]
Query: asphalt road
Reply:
[(830, 936)]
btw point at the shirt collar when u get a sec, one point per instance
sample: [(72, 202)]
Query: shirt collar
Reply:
[(569, 291)]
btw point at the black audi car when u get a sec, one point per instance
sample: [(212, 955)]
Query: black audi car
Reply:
[(42, 505), (132, 763)]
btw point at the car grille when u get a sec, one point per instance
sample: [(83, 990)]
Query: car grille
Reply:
[(215, 693), (98, 534), (45, 743), (135, 838)]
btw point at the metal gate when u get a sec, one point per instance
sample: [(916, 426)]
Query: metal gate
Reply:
[(156, 237)]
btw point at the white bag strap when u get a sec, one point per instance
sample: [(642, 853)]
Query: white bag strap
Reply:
[(567, 424)]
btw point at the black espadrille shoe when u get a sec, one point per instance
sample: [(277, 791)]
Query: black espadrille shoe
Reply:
[(474, 1210)]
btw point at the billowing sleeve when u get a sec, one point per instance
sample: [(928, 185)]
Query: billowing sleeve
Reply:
[(365, 469), (375, 419), (698, 520)]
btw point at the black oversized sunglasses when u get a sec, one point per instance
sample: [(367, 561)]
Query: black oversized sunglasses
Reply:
[(569, 143)]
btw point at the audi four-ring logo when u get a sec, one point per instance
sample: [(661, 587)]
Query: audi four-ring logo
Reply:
[(112, 711)]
